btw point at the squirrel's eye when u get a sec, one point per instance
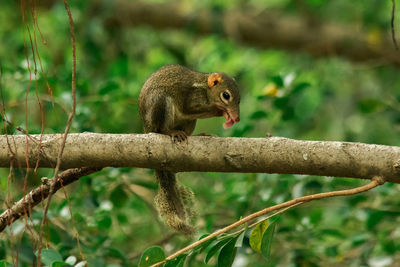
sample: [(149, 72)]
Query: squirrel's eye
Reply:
[(226, 95)]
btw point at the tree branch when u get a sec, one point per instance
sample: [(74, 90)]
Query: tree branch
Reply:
[(25, 205), (204, 153), (259, 28)]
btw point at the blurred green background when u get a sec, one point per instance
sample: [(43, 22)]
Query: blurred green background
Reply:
[(284, 93)]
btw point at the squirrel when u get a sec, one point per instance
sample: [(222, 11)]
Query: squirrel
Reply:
[(170, 102)]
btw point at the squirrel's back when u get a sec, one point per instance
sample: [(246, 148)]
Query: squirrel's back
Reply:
[(169, 80), (171, 76)]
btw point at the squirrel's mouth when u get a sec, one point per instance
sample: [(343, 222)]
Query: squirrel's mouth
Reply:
[(231, 117)]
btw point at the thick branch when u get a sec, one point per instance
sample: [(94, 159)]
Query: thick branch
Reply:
[(202, 153), (40, 193), (263, 29)]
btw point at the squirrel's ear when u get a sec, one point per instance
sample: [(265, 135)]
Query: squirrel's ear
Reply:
[(214, 79)]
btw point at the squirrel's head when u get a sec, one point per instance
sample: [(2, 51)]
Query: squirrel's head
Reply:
[(226, 96)]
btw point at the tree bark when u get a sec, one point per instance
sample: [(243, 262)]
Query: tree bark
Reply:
[(203, 153), (263, 29)]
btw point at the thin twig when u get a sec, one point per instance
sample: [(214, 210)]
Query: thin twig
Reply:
[(266, 218), (377, 180), (69, 122), (392, 24)]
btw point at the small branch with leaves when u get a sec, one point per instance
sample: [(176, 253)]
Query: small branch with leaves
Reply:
[(260, 238)]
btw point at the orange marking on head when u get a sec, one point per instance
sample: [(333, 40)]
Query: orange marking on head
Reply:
[(214, 79)]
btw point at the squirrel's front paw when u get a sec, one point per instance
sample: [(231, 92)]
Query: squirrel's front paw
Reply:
[(178, 136)]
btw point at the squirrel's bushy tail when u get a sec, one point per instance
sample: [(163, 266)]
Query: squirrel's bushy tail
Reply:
[(174, 202)]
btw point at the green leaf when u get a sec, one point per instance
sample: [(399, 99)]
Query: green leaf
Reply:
[(332, 251), (71, 260), (313, 186), (281, 102), (214, 249), (369, 105), (151, 256), (389, 246), (360, 239), (257, 235), (227, 254), (205, 244), (80, 264), (299, 87), (4, 263), (108, 88), (115, 253), (374, 218), (104, 222), (239, 241), (267, 240), (55, 236), (60, 264), (119, 196), (259, 114), (278, 80), (49, 256), (177, 262), (332, 232), (316, 215)]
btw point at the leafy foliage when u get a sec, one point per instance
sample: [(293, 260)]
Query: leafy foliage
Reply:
[(225, 247)]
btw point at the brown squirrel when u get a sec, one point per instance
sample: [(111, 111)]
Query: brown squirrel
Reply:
[(170, 102)]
